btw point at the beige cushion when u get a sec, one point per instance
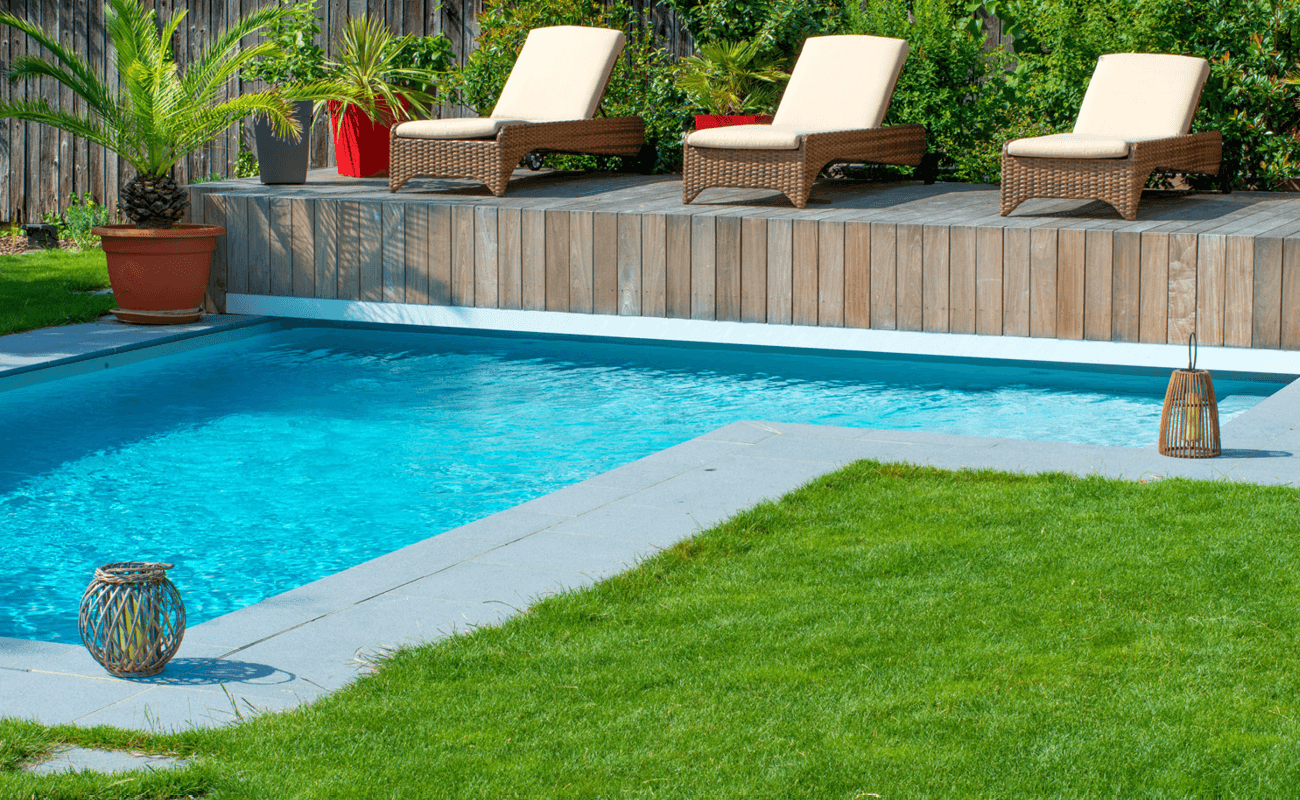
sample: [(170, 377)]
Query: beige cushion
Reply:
[(842, 83), (1142, 96), (1070, 145), (748, 137), (560, 74), (466, 128)]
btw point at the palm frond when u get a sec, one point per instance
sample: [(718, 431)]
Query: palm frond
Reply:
[(204, 70), (211, 121), (39, 111), (82, 80), (156, 115)]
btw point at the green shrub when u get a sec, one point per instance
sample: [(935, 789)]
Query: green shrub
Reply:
[(246, 165), (431, 54), (74, 224), (781, 24), (1252, 45), (643, 83), (299, 59), (948, 84)]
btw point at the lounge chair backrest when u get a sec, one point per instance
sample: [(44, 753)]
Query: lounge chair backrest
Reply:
[(560, 74), (1142, 95), (842, 83)]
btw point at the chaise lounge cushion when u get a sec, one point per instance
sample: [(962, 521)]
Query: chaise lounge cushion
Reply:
[(1070, 145), (1142, 95), (842, 83), (560, 74), (1132, 97), (748, 137), (821, 97), (465, 128)]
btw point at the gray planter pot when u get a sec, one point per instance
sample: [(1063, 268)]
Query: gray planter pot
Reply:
[(284, 160)]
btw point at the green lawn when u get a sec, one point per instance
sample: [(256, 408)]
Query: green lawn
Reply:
[(51, 288), (885, 631)]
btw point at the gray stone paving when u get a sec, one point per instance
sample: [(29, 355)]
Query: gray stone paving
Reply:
[(295, 647), (77, 759), (53, 353)]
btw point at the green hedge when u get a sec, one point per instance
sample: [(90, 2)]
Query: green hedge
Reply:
[(970, 100), (1252, 45)]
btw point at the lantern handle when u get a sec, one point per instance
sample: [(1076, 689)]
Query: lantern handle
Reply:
[(1191, 352)]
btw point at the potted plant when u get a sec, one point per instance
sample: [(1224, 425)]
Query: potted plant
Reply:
[(152, 117), (733, 81), (293, 69), (373, 86)]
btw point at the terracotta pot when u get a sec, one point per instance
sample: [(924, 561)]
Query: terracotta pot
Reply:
[(360, 143), (703, 121), (159, 274)]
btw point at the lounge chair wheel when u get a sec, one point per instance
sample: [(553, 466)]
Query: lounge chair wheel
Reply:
[(929, 169), (534, 161), (643, 163)]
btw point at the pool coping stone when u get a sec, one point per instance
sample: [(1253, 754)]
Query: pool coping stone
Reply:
[(57, 352), (316, 639)]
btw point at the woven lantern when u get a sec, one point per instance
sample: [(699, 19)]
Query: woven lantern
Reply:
[(1189, 424), (132, 618)]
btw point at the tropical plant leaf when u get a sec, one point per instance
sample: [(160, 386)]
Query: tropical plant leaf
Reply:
[(158, 115)]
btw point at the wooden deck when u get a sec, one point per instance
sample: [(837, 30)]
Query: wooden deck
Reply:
[(897, 256)]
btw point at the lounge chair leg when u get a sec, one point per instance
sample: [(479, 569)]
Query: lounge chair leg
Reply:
[(799, 199), (396, 181), (1007, 203), (689, 195)]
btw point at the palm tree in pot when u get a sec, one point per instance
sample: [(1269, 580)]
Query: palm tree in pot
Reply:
[(158, 116)]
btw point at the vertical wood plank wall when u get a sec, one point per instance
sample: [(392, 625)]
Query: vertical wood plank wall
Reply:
[(1236, 291)]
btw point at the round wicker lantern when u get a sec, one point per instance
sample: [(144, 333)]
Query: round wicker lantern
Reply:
[(132, 618), (1189, 424)]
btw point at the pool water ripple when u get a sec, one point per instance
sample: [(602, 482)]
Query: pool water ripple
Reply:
[(260, 465)]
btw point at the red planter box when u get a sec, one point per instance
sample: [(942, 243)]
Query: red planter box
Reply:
[(360, 143), (703, 121)]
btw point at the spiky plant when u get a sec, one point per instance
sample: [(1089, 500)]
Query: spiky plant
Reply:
[(160, 114), (370, 72), (726, 77)]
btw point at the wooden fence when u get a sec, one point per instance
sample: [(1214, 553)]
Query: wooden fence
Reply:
[(40, 167)]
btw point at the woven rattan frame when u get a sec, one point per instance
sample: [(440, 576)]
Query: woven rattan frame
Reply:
[(793, 172), (132, 619), (492, 161), (1189, 423), (1117, 181)]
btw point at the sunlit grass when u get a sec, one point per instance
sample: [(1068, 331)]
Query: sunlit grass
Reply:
[(886, 630), (53, 287)]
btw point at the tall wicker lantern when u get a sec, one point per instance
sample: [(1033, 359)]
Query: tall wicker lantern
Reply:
[(1189, 424), (132, 618)]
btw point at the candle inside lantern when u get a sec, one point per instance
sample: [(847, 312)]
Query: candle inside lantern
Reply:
[(1192, 417)]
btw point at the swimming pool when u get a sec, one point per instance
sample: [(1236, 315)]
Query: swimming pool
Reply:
[(260, 465)]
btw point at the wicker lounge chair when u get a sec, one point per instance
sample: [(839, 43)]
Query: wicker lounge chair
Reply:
[(1134, 120), (547, 105), (831, 112)]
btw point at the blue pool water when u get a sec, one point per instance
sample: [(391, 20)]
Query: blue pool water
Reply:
[(263, 464)]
